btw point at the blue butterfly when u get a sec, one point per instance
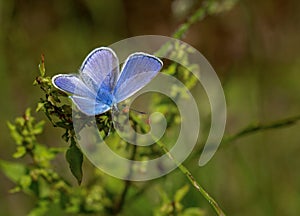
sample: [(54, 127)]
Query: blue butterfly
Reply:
[(99, 86)]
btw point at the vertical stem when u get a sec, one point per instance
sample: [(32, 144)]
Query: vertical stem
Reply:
[(121, 201)]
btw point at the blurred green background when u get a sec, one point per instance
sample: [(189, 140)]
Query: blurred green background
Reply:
[(254, 48)]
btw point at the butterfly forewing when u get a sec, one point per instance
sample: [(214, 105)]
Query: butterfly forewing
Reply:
[(138, 70), (71, 83), (100, 69)]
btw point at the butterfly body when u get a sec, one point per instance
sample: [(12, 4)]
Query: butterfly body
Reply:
[(100, 86), (105, 97)]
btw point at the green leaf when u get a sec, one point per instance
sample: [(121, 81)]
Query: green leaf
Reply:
[(44, 189), (25, 182), (39, 106), (181, 193), (15, 189), (52, 100), (38, 128), (21, 151), (14, 133), (193, 212), (65, 125), (13, 171), (171, 69), (27, 113), (41, 208), (43, 155), (75, 158), (20, 121), (42, 66)]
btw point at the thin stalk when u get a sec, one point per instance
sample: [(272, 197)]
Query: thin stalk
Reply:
[(184, 170), (195, 17), (191, 178), (254, 128), (121, 201)]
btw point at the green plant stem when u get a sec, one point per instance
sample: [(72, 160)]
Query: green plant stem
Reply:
[(183, 28), (195, 17), (185, 171), (208, 7), (121, 201), (193, 181), (254, 128)]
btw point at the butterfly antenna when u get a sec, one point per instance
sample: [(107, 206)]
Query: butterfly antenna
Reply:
[(137, 111), (127, 109)]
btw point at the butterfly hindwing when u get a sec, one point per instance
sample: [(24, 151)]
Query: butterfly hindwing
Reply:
[(89, 106)]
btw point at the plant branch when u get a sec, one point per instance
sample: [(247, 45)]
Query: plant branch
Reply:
[(121, 201), (195, 17), (254, 128), (193, 181), (185, 171), (208, 7)]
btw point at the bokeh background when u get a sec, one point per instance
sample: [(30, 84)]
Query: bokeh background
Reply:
[(254, 49)]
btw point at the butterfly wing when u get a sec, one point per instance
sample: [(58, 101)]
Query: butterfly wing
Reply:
[(138, 70), (100, 69), (98, 73), (71, 83), (89, 106), (83, 97)]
